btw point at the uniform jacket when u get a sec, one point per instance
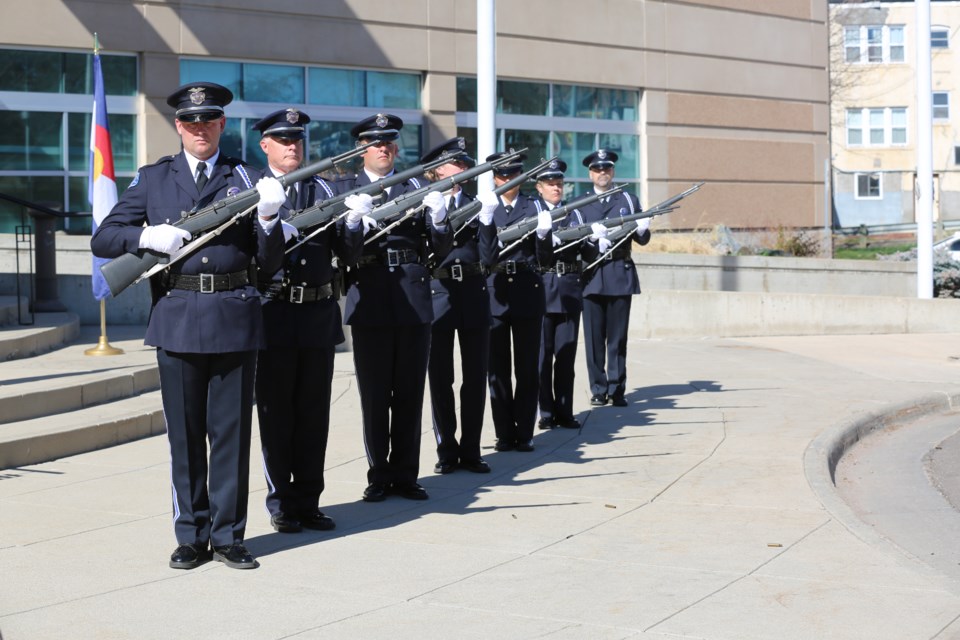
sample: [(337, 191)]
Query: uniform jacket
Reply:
[(318, 323), (399, 295), (520, 294), (189, 321), (563, 293), (613, 277), (465, 303)]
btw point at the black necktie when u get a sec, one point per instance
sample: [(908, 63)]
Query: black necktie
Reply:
[(201, 176), (508, 208), (292, 194), (452, 204)]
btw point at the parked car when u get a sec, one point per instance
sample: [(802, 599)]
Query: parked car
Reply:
[(950, 245)]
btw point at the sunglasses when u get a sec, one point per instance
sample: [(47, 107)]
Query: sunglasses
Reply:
[(200, 117)]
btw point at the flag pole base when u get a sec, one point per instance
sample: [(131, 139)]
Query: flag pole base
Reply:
[(103, 348)]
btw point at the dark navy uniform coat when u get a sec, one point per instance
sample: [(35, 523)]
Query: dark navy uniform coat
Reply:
[(189, 321), (614, 277), (520, 294)]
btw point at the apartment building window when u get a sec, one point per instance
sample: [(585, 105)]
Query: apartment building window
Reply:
[(956, 155), (46, 100), (868, 186), (335, 99), (939, 38), (941, 105), (874, 44), (880, 127), (568, 121)]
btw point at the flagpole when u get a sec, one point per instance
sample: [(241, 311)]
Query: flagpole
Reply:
[(103, 347)]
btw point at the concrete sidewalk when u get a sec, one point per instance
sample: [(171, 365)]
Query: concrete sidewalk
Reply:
[(691, 513)]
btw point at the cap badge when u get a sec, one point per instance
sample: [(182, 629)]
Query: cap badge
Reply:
[(293, 116), (602, 154), (197, 95), (511, 150), (461, 143), (554, 165), (382, 120)]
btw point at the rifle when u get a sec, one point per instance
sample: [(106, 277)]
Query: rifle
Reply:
[(405, 201), (573, 235), (131, 268), (321, 215), (516, 233), (625, 231), (462, 216)]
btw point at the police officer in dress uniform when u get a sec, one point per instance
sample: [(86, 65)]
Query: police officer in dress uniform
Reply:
[(389, 310), (461, 305), (205, 322), (608, 287), (303, 326), (517, 305), (564, 302)]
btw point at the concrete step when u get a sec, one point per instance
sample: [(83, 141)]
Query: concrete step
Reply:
[(11, 311), (49, 331), (42, 439), (66, 379)]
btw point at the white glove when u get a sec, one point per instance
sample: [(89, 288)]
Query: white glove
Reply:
[(163, 238), (599, 231), (272, 196), (359, 205), (557, 241), (489, 203), (369, 224), (289, 231), (642, 226), (544, 224), (434, 203), (604, 245)]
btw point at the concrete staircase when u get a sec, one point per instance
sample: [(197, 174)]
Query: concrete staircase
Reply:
[(55, 401)]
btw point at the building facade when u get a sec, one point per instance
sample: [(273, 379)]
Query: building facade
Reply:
[(731, 92), (874, 111)]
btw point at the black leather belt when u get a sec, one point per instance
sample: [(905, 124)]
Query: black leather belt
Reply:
[(458, 271), (389, 258), (563, 268), (511, 267), (297, 294), (619, 254), (206, 282)]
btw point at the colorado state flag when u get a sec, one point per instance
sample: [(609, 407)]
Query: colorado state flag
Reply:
[(103, 184)]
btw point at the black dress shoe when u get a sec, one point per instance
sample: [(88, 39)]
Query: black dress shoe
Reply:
[(284, 523), (375, 492), (409, 490), (235, 556), (444, 467), (525, 446), (505, 445), (546, 423), (598, 400), (619, 401), (189, 556), (317, 521), (568, 423), (475, 466)]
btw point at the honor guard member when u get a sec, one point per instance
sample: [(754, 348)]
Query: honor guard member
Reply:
[(608, 288), (205, 322), (389, 310), (461, 306), (563, 293), (516, 304), (303, 325)]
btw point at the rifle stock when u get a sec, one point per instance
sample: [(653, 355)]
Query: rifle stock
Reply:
[(124, 270)]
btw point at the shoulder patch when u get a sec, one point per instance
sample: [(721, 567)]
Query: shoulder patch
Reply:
[(133, 183)]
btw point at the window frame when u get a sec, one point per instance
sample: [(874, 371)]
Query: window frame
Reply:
[(888, 127), (857, 195), (939, 29), (874, 44), (944, 107)]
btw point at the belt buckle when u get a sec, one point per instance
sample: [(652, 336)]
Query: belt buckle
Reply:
[(296, 294), (510, 267), (561, 268), (206, 283), (609, 256), (393, 258), (456, 272)]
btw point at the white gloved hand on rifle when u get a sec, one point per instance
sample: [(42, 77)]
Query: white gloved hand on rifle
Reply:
[(358, 205), (604, 245), (544, 224), (642, 226), (437, 208), (489, 201), (289, 231), (272, 197), (599, 231), (163, 238)]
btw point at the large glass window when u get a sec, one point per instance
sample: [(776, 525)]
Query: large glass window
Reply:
[(875, 44), (45, 149)]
